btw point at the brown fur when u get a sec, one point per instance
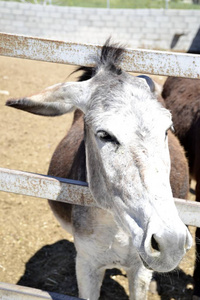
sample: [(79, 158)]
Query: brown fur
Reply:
[(69, 157), (182, 98)]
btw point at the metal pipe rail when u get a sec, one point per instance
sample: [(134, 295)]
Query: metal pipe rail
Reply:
[(70, 191), (74, 192), (135, 60), (16, 292)]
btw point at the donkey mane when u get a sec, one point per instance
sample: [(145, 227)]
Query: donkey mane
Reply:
[(110, 58)]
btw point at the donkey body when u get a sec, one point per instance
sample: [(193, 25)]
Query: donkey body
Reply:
[(182, 98), (118, 143)]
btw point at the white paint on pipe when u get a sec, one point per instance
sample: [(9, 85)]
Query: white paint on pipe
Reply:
[(135, 60), (74, 192)]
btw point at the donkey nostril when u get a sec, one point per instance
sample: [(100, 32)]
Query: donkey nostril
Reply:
[(154, 244)]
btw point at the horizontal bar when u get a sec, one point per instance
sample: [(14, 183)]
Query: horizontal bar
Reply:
[(16, 292), (47, 187), (189, 211), (135, 60), (74, 192)]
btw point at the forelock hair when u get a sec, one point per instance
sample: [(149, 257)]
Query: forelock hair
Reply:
[(110, 58)]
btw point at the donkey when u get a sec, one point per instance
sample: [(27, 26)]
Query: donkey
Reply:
[(118, 143), (182, 97)]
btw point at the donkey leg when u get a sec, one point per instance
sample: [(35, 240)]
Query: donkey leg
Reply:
[(139, 279), (197, 263), (89, 279)]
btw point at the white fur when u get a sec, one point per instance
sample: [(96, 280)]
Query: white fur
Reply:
[(128, 178)]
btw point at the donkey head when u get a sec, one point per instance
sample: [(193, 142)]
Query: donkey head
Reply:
[(128, 163)]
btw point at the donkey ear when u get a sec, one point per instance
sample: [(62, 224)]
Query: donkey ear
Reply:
[(154, 86), (54, 100), (149, 81)]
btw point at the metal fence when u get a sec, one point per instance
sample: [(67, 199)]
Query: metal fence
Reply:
[(144, 61)]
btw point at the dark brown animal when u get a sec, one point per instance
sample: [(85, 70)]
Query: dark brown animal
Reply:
[(182, 98)]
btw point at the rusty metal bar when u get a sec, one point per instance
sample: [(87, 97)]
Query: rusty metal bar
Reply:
[(47, 187), (16, 292), (135, 60), (189, 211), (74, 192)]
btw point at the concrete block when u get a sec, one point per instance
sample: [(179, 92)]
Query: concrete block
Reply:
[(102, 11), (86, 23), (161, 19), (17, 11), (142, 12), (47, 20), (88, 10), (166, 25), (98, 24), (37, 7), (108, 17), (133, 29), (134, 44), (196, 12), (72, 23), (94, 18), (185, 12), (152, 24), (110, 24), (191, 19), (26, 6), (42, 14), (192, 25), (148, 30), (151, 36), (78, 10), (9, 29), (4, 22), (156, 12), (137, 36), (19, 24), (160, 45), (10, 4), (165, 37), (54, 8), (81, 17), (54, 15), (147, 44), (134, 18), (121, 24), (29, 12), (5, 10), (172, 12), (33, 19), (126, 12)]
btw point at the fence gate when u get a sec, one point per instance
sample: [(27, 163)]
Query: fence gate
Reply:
[(140, 61)]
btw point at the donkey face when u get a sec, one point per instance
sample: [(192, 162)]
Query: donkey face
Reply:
[(127, 155), (128, 166)]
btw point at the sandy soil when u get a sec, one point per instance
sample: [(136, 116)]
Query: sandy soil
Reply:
[(35, 250)]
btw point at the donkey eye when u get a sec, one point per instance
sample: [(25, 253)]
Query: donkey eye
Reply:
[(106, 137)]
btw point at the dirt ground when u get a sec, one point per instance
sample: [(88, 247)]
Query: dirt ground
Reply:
[(35, 250)]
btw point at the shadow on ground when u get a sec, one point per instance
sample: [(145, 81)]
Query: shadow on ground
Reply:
[(52, 269)]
